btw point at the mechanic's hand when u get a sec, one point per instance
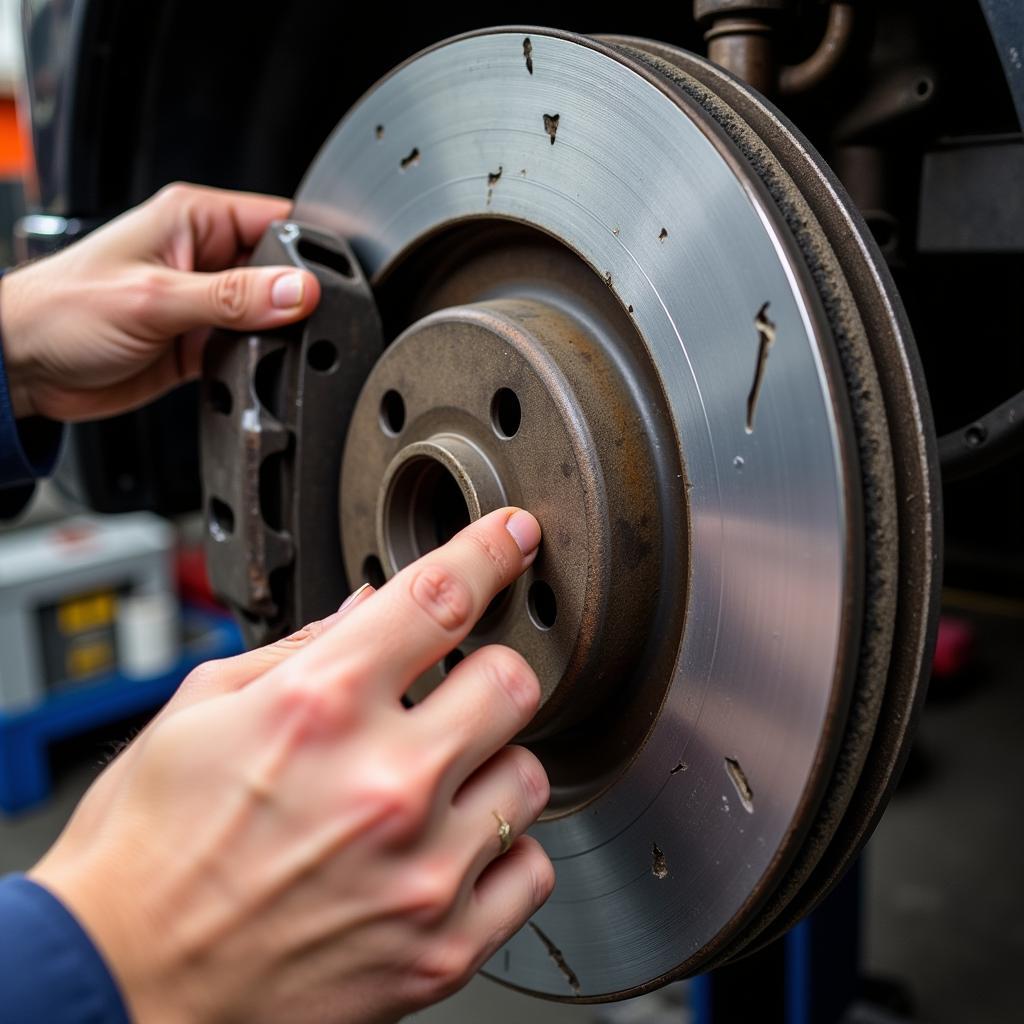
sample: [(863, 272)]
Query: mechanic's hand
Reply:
[(120, 317), (287, 842)]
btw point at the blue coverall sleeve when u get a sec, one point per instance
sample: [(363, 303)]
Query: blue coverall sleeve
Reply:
[(50, 971), (28, 450)]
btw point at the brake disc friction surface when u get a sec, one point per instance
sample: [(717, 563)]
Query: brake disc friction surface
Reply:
[(660, 872)]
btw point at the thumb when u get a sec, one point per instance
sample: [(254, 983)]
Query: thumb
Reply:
[(243, 298)]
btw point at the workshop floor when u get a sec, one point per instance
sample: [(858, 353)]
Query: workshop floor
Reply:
[(945, 909)]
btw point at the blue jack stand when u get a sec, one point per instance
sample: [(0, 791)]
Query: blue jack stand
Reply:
[(811, 976)]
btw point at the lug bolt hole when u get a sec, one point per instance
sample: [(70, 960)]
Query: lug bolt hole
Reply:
[(373, 572), (392, 413), (542, 605), (506, 413), (322, 356)]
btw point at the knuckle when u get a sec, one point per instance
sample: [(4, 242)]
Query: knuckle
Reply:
[(430, 893), (229, 294), (507, 671), (202, 675), (145, 295), (305, 701), (397, 801), (532, 778), (175, 193), (493, 552), (443, 596), (446, 967), (203, 678), (542, 876)]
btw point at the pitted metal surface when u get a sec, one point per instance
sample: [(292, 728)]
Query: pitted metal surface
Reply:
[(685, 314), (577, 451), (758, 672)]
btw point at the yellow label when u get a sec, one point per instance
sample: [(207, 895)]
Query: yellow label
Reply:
[(81, 614), (85, 659)]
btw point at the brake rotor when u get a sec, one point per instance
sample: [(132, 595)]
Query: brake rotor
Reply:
[(621, 291)]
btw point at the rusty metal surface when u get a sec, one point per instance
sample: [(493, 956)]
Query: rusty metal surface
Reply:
[(746, 48), (662, 278), (653, 197), (820, 65), (742, 39), (274, 414), (497, 307)]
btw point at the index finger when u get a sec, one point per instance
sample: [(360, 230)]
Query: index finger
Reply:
[(429, 607), (221, 224)]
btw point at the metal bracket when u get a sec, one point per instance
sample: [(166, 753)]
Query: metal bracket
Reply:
[(275, 411)]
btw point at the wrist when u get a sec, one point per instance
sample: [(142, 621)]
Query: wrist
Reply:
[(137, 958), (18, 363)]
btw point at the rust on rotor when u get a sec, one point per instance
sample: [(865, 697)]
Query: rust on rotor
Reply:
[(492, 310)]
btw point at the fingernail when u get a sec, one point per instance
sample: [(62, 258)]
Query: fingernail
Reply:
[(525, 531), (286, 292), (354, 596)]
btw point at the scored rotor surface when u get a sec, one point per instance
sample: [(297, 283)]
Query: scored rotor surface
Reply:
[(658, 873)]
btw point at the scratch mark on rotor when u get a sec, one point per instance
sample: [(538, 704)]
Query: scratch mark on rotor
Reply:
[(739, 780), (766, 335), (559, 961)]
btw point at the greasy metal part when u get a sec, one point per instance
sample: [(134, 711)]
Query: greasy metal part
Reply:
[(275, 408), (916, 462), (896, 94), (505, 311), (648, 190), (704, 10), (740, 38), (745, 47), (987, 442), (809, 73)]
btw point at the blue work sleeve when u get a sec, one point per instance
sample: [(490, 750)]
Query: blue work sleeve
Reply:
[(50, 971), (28, 450)]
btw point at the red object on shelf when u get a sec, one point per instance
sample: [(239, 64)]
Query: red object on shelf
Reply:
[(193, 580), (954, 647)]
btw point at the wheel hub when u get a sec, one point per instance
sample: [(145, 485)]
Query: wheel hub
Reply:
[(517, 400)]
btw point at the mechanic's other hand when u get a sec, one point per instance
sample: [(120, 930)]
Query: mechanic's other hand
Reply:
[(290, 843), (120, 317)]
